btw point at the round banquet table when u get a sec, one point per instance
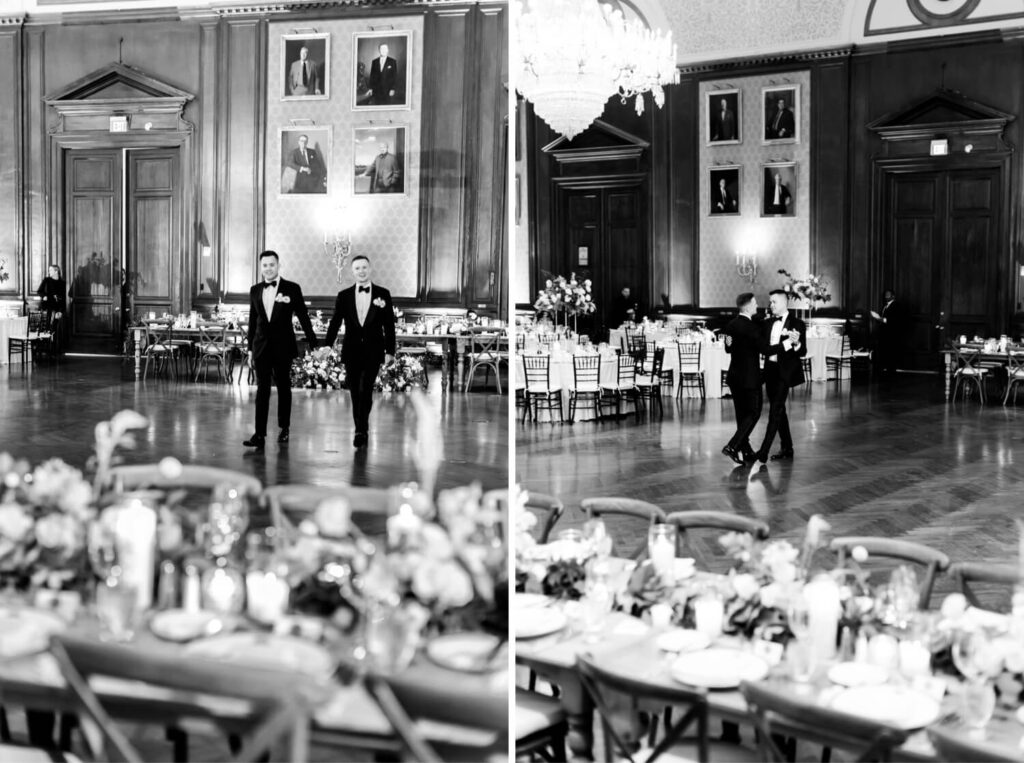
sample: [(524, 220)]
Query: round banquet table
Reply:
[(562, 375)]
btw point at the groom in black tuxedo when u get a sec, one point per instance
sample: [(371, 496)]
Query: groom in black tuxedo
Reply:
[(369, 318), (783, 369), (744, 341), (272, 345)]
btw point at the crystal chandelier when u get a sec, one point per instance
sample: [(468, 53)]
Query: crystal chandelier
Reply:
[(575, 54)]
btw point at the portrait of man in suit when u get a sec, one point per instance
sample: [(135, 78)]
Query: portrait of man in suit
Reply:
[(779, 190), (379, 160), (305, 156), (723, 110), (781, 118), (724, 190), (305, 60), (382, 67)]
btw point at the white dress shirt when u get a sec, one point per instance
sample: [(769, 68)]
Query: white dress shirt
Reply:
[(269, 295), (363, 302), (777, 328)]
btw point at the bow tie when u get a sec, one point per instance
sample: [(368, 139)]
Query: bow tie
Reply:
[(364, 289), (268, 284), (777, 318)]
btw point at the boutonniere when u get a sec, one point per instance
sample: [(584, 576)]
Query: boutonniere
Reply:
[(379, 302), (283, 298)]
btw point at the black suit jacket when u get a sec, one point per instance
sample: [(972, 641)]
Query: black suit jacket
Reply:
[(791, 369), (748, 343), (371, 341), (383, 81), (781, 125), (312, 181), (274, 334)]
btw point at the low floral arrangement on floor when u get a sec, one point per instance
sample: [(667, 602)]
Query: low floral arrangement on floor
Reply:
[(4, 275), (813, 289), (402, 374), (567, 295), (45, 511), (321, 368)]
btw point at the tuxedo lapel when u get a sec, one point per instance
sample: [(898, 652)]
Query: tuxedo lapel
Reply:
[(373, 308), (259, 303)]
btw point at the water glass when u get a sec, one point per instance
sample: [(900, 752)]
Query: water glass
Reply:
[(979, 703), (391, 635), (595, 533), (709, 612), (801, 660), (798, 616), (116, 607), (596, 604), (661, 548)]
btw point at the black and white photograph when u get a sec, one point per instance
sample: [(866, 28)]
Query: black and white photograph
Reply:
[(781, 109), (305, 61), (724, 189), (778, 189), (382, 68), (305, 157), (380, 160), (724, 111)]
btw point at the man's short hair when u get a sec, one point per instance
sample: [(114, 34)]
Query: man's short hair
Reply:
[(778, 291), (744, 299), (304, 136), (360, 257), (268, 253)]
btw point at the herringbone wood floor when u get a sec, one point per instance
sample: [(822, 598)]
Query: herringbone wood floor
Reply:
[(894, 461)]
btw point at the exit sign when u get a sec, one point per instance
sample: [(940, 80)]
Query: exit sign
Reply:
[(119, 124)]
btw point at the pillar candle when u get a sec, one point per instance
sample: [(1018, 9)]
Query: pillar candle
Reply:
[(135, 532), (824, 607)]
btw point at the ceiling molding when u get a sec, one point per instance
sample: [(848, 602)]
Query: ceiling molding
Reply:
[(768, 59)]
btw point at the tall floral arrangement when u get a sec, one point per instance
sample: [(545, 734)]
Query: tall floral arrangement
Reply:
[(812, 288), (565, 295)]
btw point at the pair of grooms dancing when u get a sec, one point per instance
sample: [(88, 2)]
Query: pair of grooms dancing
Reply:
[(782, 340)]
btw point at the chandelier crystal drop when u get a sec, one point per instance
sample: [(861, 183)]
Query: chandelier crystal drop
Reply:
[(576, 54)]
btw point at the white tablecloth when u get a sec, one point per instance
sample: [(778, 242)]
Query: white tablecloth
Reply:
[(11, 327), (562, 375)]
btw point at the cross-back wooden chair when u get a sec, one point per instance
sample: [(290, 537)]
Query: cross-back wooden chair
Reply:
[(778, 714), (966, 573), (932, 560), (956, 745), (968, 372), (160, 349), (213, 347), (142, 476), (541, 726), (273, 717), (1014, 374), (642, 513), (290, 504), (714, 520), (485, 352), (548, 510), (607, 689)]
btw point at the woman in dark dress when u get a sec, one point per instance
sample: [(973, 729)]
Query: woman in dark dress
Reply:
[(53, 293)]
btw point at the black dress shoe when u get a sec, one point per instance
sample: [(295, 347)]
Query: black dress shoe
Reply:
[(256, 441), (783, 455), (761, 455), (283, 437), (733, 454), (359, 441)]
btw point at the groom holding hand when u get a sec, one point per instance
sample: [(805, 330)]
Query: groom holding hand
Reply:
[(365, 308)]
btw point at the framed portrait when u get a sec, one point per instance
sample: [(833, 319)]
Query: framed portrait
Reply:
[(380, 160), (306, 60), (724, 110), (305, 159), (724, 187), (781, 110), (383, 70), (778, 187)]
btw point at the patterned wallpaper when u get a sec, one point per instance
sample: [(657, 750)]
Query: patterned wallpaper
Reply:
[(384, 227), (779, 242)]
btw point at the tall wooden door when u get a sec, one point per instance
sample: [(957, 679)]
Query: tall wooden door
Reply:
[(122, 219), (92, 236), (943, 257), (603, 239)]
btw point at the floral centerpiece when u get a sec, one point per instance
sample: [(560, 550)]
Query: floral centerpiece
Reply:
[(320, 368), (813, 289), (565, 295), (4, 275), (402, 374)]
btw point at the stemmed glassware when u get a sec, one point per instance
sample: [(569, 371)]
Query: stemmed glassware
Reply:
[(799, 652), (974, 657), (116, 599)]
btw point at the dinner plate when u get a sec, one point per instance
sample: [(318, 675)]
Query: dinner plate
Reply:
[(857, 674), (530, 623), (264, 650), (184, 625), (468, 652), (530, 600), (682, 640), (719, 668), (24, 630), (896, 706)]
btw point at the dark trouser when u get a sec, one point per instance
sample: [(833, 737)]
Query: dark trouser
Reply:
[(887, 356), (748, 403), (778, 421), (360, 378), (277, 371)]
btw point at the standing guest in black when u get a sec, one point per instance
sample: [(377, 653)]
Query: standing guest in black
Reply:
[(891, 334), (272, 345), (786, 337), (53, 292), (744, 341), (369, 318)]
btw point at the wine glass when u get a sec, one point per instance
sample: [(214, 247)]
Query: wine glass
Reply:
[(116, 601), (977, 661), (596, 536)]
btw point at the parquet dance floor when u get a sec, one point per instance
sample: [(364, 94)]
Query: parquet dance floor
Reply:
[(892, 461), (51, 411)]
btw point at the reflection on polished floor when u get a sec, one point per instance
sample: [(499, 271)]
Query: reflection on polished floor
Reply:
[(896, 462), (48, 411)]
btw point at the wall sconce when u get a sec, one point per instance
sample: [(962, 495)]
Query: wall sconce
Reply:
[(746, 266), (203, 241), (338, 241)]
